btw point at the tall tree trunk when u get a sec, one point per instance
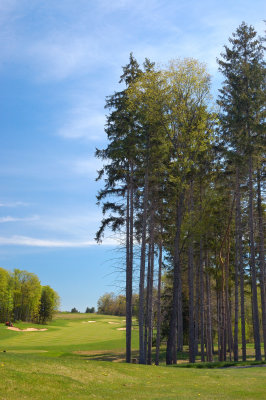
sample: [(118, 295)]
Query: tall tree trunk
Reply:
[(158, 337), (237, 263), (179, 317), (129, 269), (261, 261), (256, 327), (201, 302), (171, 342), (208, 315), (223, 317), (147, 303), (142, 271), (191, 328), (218, 311), (227, 299), (241, 268), (150, 293), (197, 311)]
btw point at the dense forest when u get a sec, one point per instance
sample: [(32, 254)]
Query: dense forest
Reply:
[(23, 298), (183, 184)]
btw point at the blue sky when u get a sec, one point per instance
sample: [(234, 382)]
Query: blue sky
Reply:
[(58, 61)]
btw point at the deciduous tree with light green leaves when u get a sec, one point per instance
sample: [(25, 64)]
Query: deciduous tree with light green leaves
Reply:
[(174, 103)]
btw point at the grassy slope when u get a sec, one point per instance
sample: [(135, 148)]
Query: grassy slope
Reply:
[(57, 373)]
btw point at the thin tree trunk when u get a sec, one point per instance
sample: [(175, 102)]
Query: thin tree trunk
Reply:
[(179, 316), (201, 303), (218, 319), (158, 337), (208, 317), (171, 342), (150, 293), (223, 318), (147, 303), (261, 261), (227, 300), (256, 327), (237, 264), (129, 270), (142, 271), (242, 272), (197, 312), (191, 328), (127, 275)]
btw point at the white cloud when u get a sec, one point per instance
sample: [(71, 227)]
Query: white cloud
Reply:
[(18, 219), (88, 167), (83, 123), (13, 204), (49, 243), (60, 56)]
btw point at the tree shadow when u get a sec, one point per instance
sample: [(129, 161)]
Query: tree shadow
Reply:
[(108, 355)]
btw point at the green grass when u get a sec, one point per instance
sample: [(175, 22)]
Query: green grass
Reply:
[(66, 362), (68, 333)]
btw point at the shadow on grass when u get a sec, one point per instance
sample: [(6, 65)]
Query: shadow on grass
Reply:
[(182, 358), (107, 355)]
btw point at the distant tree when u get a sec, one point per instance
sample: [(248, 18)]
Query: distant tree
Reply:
[(26, 295), (6, 298), (74, 310), (90, 310), (48, 305), (105, 304), (23, 298), (109, 304)]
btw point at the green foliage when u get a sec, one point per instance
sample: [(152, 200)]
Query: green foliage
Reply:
[(110, 304), (23, 298), (178, 173), (90, 310), (6, 298), (49, 304)]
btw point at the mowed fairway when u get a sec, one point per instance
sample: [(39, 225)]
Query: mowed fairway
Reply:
[(70, 332), (65, 362)]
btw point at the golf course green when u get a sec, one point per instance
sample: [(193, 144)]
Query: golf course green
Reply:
[(81, 356)]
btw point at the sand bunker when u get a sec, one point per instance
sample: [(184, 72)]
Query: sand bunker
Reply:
[(85, 322), (111, 322), (12, 328), (123, 329)]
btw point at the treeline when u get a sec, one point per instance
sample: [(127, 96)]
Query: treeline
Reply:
[(23, 298), (89, 310), (110, 304), (184, 182)]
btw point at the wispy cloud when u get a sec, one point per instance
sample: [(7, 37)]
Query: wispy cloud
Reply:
[(49, 243), (88, 167), (9, 218), (83, 123), (60, 56), (13, 204)]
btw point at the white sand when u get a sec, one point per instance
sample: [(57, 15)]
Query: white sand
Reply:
[(12, 328), (85, 322)]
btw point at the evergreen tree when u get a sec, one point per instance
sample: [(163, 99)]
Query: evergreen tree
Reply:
[(242, 100), (121, 130)]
